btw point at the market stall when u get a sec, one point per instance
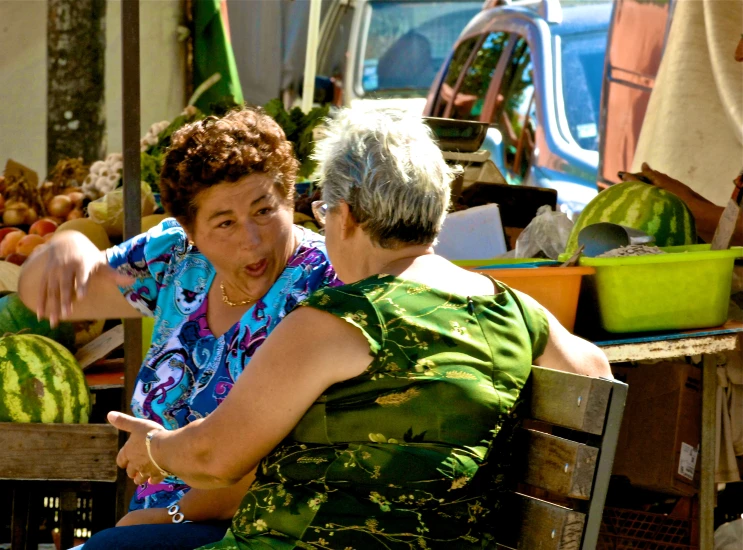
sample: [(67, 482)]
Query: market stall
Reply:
[(629, 275)]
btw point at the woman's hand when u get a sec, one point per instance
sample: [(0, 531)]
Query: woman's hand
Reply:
[(133, 456), (664, 181), (71, 261)]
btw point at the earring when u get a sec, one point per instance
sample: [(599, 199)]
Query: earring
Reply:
[(191, 244)]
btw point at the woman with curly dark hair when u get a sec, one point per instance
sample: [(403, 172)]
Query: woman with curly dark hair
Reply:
[(217, 278)]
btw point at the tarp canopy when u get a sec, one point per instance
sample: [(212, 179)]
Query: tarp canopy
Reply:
[(693, 129), (269, 40)]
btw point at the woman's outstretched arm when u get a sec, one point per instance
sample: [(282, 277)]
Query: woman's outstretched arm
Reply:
[(309, 351)]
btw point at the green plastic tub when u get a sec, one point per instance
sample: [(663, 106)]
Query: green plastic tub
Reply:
[(687, 288)]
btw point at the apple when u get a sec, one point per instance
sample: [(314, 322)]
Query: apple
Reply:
[(48, 237), (58, 221), (10, 242), (27, 244), (16, 258), (43, 227), (5, 230)]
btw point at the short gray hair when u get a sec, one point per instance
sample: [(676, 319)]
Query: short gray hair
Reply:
[(387, 167)]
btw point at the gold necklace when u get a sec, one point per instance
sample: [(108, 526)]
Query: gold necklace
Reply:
[(230, 303)]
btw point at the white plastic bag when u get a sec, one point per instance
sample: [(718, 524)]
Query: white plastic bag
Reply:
[(546, 235), (729, 536)]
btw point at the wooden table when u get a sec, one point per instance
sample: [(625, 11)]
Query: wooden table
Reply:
[(706, 343)]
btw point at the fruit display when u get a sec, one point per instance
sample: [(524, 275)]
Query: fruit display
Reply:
[(40, 381), (634, 204)]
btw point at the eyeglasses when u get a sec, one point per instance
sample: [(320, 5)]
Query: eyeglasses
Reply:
[(320, 210)]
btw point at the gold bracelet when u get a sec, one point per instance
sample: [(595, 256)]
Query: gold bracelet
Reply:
[(147, 442)]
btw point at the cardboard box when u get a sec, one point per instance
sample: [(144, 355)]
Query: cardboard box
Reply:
[(659, 440)]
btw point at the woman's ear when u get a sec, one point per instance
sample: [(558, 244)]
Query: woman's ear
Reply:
[(349, 225), (187, 228)]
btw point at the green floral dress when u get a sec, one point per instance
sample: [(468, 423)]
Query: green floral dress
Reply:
[(404, 455)]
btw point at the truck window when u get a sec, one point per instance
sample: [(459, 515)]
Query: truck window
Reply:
[(407, 42), (463, 90), (515, 113)]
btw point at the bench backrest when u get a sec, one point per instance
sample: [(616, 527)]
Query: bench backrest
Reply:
[(573, 469)]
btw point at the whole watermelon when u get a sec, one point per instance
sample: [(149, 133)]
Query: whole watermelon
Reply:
[(15, 317), (641, 206), (40, 381)]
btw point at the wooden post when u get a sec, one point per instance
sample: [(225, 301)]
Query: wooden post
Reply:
[(707, 487), (132, 198), (76, 49), (24, 526), (67, 517)]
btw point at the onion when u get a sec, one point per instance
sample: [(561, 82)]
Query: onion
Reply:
[(77, 198), (75, 213), (31, 216), (60, 206), (15, 215)]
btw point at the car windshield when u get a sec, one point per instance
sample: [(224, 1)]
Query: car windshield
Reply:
[(582, 73), (407, 42)]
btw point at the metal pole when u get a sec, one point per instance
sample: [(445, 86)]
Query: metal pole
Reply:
[(310, 59), (132, 190), (132, 196)]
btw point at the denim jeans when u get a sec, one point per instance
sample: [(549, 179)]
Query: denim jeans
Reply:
[(175, 536)]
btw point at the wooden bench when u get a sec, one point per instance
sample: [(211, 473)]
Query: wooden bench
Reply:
[(572, 469)]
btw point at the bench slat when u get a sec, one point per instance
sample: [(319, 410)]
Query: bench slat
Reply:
[(546, 526), (559, 465), (62, 452), (569, 400)]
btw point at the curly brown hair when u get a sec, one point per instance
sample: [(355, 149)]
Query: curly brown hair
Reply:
[(224, 149)]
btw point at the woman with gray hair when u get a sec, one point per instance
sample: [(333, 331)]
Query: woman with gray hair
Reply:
[(378, 414)]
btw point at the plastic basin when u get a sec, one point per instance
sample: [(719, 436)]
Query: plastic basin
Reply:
[(506, 263), (687, 288), (556, 288)]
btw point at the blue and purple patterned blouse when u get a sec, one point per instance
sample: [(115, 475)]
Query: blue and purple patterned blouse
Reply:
[(188, 372)]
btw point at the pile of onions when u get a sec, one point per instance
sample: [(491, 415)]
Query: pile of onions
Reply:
[(19, 213), (67, 206)]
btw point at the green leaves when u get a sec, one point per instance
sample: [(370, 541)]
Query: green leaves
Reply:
[(298, 128)]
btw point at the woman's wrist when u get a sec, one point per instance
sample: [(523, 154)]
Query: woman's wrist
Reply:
[(153, 445)]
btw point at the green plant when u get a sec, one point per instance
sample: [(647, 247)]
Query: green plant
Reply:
[(298, 128)]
